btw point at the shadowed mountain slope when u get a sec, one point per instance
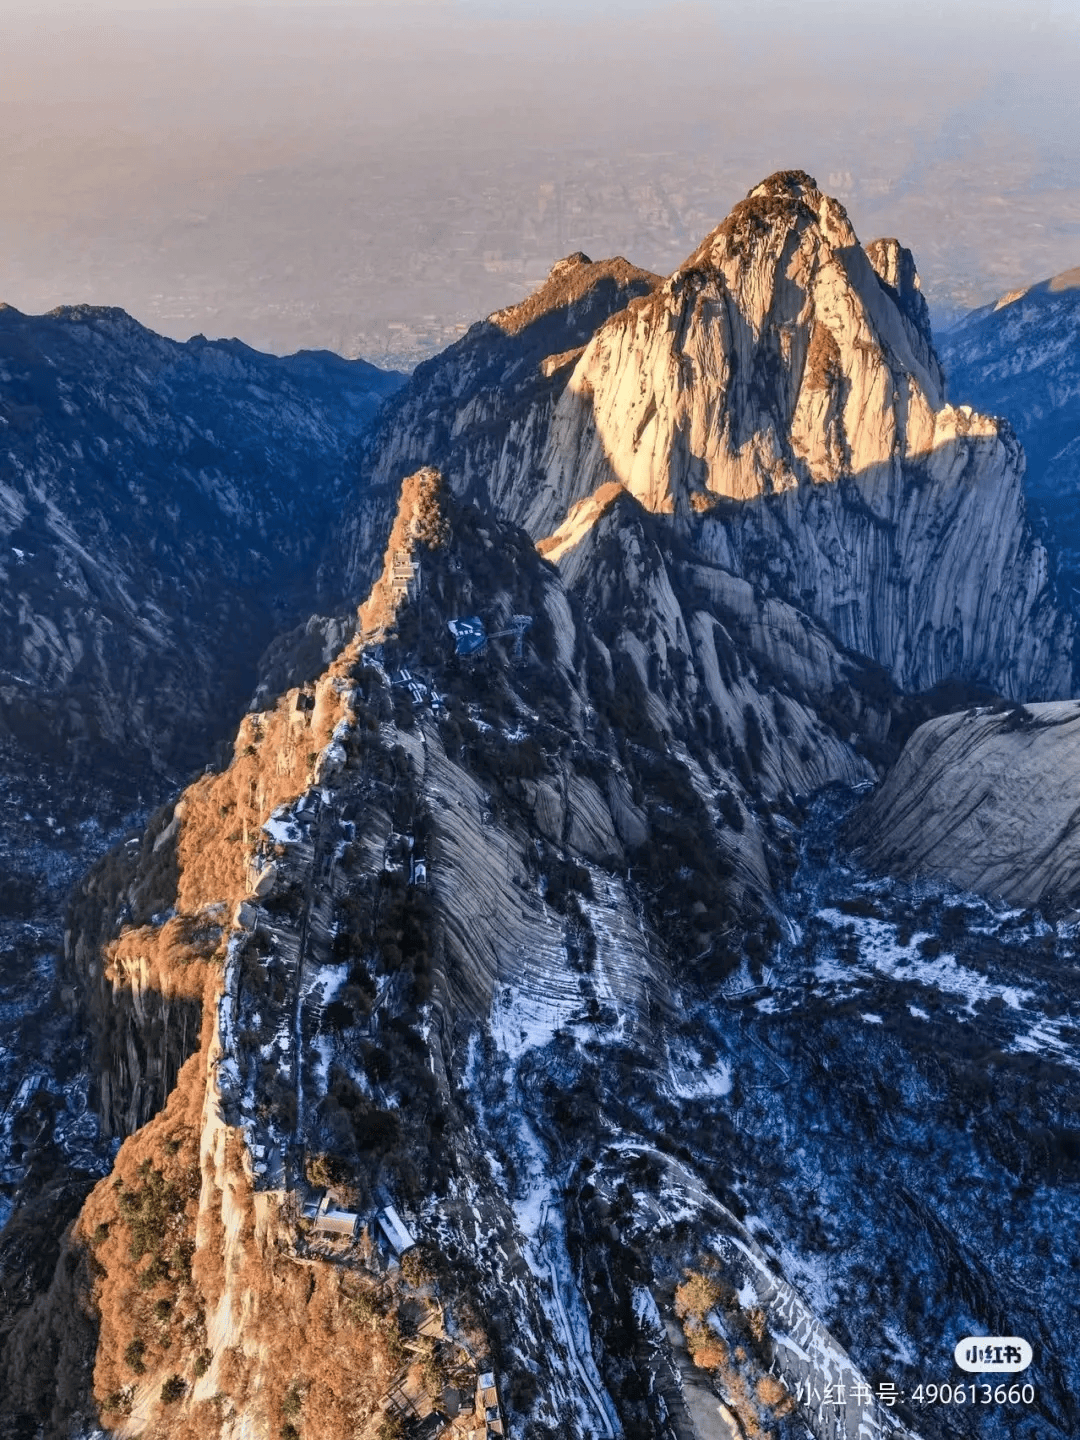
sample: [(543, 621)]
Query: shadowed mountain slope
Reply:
[(1020, 358), (989, 801), (529, 852), (163, 512), (480, 409)]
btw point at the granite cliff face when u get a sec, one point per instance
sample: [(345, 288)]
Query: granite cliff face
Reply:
[(499, 857), (480, 410), (784, 368), (524, 906), (773, 356), (779, 368), (987, 800)]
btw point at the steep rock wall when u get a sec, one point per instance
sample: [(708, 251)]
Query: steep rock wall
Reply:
[(988, 801), (577, 875), (480, 411), (779, 369)]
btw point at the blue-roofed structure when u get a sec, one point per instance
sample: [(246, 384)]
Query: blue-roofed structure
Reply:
[(469, 634)]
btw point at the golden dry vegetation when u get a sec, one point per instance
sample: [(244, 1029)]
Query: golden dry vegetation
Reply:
[(224, 813), (420, 520), (696, 1296), (175, 959), (331, 1347), (139, 1225), (755, 1397), (823, 360), (171, 1251), (569, 283), (772, 1393), (315, 1341)]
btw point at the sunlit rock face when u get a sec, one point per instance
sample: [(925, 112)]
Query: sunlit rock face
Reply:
[(931, 569), (481, 409), (773, 355), (785, 367), (545, 941), (780, 400), (986, 800)]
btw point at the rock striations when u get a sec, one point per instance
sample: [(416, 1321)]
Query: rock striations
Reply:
[(988, 801), (780, 399), (474, 941), (773, 356), (785, 368), (395, 876)]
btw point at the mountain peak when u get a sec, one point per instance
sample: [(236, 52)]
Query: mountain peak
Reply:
[(786, 202), (786, 182), (894, 265), (569, 281), (81, 313), (779, 353), (1067, 280), (785, 363), (569, 262)]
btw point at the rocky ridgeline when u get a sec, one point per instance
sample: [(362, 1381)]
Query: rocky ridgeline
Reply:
[(1019, 358), (163, 517), (163, 513), (468, 931), (596, 831), (784, 367), (480, 410)]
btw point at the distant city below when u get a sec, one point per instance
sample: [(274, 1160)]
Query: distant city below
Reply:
[(352, 179), (367, 291)]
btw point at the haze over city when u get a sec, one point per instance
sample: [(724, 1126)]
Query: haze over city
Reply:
[(372, 178)]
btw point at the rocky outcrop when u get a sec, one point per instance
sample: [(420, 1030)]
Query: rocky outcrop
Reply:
[(784, 368), (595, 819), (894, 265), (988, 800), (480, 410), (779, 399), (933, 572), (471, 929), (772, 356)]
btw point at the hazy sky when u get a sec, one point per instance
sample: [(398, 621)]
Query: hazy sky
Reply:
[(370, 176)]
